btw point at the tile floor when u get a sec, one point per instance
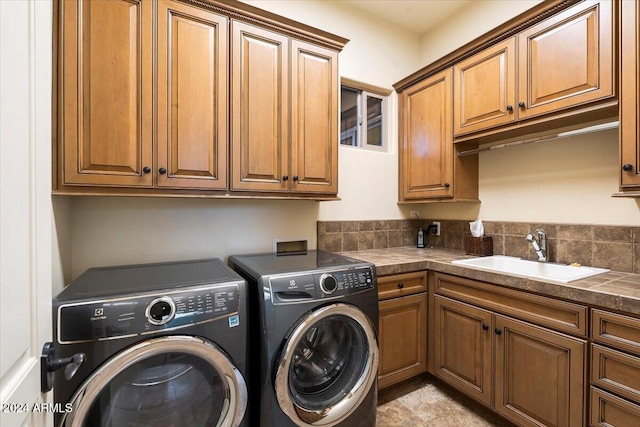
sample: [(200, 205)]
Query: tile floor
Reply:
[(426, 401)]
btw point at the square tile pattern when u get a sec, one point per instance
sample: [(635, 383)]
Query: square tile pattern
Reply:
[(425, 401), (613, 247)]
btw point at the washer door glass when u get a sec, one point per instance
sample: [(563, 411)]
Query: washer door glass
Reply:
[(169, 381), (327, 366)]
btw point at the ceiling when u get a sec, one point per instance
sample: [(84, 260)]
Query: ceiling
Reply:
[(417, 16)]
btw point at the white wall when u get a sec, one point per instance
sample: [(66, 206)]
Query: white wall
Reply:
[(563, 181)]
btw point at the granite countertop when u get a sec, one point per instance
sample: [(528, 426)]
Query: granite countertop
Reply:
[(615, 290)]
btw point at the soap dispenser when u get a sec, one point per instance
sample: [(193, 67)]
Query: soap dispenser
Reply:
[(420, 238)]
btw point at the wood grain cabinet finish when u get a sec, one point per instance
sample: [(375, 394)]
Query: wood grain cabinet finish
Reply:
[(630, 98), (608, 410), (484, 89), (105, 106), (260, 141), (464, 347), (429, 168), (615, 368), (532, 375), (566, 60), (192, 97), (314, 112), (539, 375), (182, 97), (402, 338), (402, 326)]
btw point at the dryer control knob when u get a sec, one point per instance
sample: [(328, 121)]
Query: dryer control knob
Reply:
[(328, 283), (160, 311)]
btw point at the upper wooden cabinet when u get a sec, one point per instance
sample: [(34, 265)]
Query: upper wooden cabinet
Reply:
[(629, 99), (484, 88), (260, 142), (105, 105), (182, 97), (192, 97), (566, 60), (429, 168), (563, 62), (267, 154)]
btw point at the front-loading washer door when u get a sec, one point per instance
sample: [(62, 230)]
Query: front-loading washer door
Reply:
[(327, 366), (172, 381)]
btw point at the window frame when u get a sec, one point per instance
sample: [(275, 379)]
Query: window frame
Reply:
[(363, 91)]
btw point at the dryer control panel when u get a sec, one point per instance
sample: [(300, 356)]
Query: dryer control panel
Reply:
[(145, 314), (312, 286)]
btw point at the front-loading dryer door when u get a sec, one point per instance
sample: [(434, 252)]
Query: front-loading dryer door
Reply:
[(328, 365), (172, 381)]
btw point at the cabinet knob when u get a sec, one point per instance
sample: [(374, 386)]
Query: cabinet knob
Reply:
[(498, 331), (485, 327), (509, 108), (400, 285), (146, 169), (162, 171), (295, 177), (627, 167), (447, 185), (285, 178), (521, 104)]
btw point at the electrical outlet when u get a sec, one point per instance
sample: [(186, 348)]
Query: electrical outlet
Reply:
[(436, 231), (415, 214)]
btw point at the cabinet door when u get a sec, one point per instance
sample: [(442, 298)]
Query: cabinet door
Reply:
[(630, 95), (484, 89), (192, 97), (426, 161), (105, 92), (403, 338), (463, 345), (539, 375), (566, 60), (259, 99), (314, 118)]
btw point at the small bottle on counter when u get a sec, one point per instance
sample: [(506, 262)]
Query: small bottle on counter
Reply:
[(420, 238)]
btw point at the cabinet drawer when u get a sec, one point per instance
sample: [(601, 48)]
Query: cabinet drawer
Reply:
[(615, 371), (402, 284), (608, 410), (616, 330), (560, 315)]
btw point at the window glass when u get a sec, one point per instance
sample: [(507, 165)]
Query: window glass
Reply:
[(362, 119), (374, 121), (349, 116)]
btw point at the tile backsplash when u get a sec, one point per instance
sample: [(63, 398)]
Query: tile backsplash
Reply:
[(614, 247)]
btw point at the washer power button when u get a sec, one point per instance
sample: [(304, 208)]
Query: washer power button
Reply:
[(160, 311), (328, 283)]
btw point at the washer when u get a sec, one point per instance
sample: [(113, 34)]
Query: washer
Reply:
[(150, 345), (314, 333)]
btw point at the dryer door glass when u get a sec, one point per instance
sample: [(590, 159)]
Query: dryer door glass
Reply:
[(170, 389), (171, 381), (328, 365)]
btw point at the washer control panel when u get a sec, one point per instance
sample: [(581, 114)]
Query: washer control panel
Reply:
[(142, 314), (313, 286)]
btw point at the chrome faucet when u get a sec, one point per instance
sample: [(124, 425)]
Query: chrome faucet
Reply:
[(541, 248)]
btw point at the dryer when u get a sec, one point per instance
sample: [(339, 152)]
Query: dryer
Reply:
[(313, 339), (152, 344)]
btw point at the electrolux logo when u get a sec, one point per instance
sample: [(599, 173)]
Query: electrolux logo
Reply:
[(98, 314)]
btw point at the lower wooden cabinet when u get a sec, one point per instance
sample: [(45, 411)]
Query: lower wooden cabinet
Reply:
[(402, 327), (529, 374), (615, 370)]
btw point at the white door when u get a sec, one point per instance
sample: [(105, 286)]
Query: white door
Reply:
[(25, 208)]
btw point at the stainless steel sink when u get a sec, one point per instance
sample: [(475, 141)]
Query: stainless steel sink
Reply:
[(549, 272)]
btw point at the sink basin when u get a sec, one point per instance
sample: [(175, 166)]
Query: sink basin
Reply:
[(549, 272)]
